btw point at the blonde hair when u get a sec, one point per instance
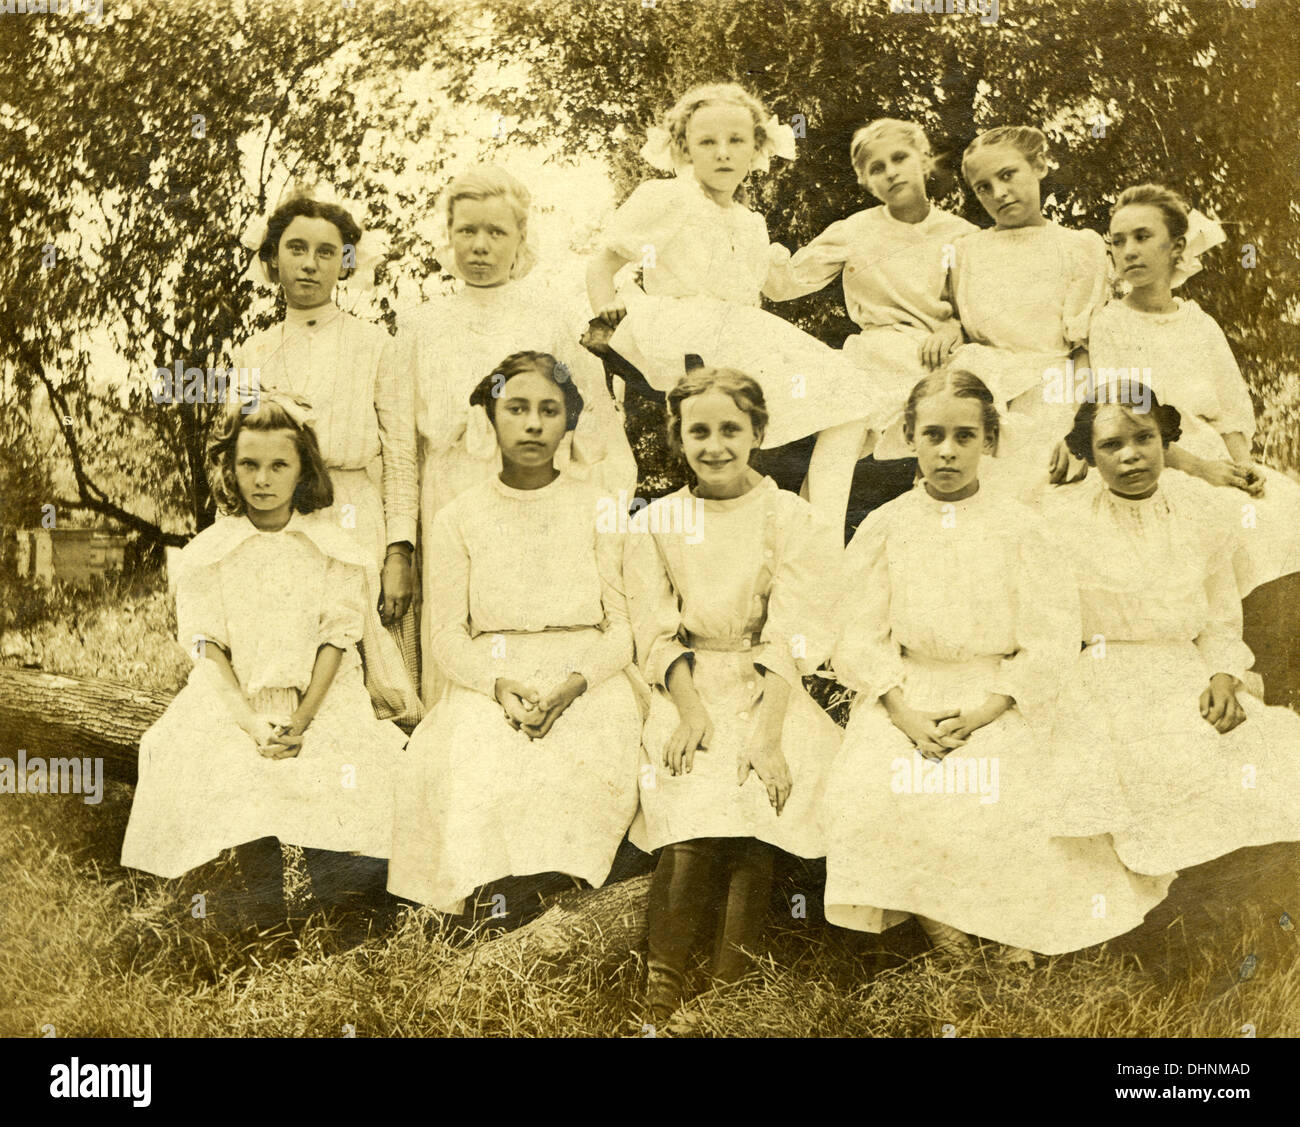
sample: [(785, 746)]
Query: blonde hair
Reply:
[(1171, 205), (1031, 143), (745, 392), (486, 182), (911, 135), (713, 94)]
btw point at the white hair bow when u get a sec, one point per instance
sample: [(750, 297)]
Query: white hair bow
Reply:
[(370, 250), (1202, 234)]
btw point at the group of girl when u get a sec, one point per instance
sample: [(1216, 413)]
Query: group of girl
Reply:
[(1043, 732)]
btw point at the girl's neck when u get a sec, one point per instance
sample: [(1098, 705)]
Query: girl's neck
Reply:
[(528, 477), (270, 520), (1154, 298), (911, 213), (1039, 220), (963, 494), (294, 309), (719, 198), (733, 489)]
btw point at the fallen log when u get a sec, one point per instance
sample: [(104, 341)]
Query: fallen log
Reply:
[(50, 714)]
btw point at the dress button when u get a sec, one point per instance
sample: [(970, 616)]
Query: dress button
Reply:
[(768, 553), (744, 716), (745, 644)]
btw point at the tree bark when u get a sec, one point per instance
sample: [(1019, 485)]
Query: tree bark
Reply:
[(47, 712)]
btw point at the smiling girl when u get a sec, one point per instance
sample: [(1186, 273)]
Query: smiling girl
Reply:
[(704, 258), (273, 736), (726, 619), (1172, 756), (527, 764), (954, 637)]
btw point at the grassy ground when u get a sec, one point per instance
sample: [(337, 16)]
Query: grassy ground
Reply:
[(93, 949)]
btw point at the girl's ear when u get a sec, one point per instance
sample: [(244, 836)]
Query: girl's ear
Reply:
[(1178, 246)]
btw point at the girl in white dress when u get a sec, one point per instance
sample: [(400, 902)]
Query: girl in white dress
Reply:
[(347, 369), (1173, 757), (528, 763), (273, 735), (1025, 291), (729, 585), (955, 633), (704, 258), (1177, 349), (893, 261), (502, 307)]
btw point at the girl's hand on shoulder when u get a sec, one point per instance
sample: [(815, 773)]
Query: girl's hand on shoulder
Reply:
[(519, 702), (961, 726), (694, 732), (1224, 471), (936, 348), (612, 313), (1254, 478), (1219, 703), (396, 587), (765, 757), (1064, 468)]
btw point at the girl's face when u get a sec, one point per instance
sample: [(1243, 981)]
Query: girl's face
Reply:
[(1141, 248), (894, 173), (308, 261), (529, 420), (717, 440), (1006, 184), (720, 146), (267, 469), (949, 438), (1127, 450), (486, 237)]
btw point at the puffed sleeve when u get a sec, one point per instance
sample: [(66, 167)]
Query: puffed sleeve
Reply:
[(1085, 289), (652, 606), (1236, 412), (395, 409), (644, 219), (447, 582), (612, 651), (342, 606), (1219, 641), (200, 608), (811, 267), (798, 634), (866, 657), (1048, 626)]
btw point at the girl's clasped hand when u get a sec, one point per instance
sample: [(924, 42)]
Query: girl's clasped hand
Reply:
[(533, 713)]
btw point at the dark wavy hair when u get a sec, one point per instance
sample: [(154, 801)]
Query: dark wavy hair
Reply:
[(1167, 419), (963, 385), (744, 390), (489, 388), (314, 489), (307, 208)]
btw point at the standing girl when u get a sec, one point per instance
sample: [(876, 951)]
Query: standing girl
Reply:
[(1025, 292), (728, 584), (893, 261), (528, 763), (1176, 760), (955, 635), (501, 308), (347, 369), (273, 735), (704, 258), (1184, 358)]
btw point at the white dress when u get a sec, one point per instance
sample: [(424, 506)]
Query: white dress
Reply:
[(952, 601), (893, 275), (271, 599), (522, 585), (703, 269), (1026, 297), (1161, 614), (741, 585), (453, 342), (346, 368), (1186, 360)]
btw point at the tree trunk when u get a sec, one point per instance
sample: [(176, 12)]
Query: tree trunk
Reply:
[(50, 713)]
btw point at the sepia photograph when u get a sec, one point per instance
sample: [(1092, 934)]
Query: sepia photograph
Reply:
[(650, 519)]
